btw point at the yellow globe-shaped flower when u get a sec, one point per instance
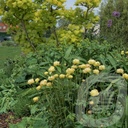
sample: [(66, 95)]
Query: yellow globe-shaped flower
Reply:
[(94, 92)]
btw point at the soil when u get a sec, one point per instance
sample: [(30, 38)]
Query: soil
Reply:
[(6, 118)]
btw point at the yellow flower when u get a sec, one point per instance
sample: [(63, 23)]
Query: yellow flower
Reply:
[(56, 63), (91, 61), (31, 81), (120, 70), (76, 61), (122, 52), (87, 70), (37, 80), (38, 87), (96, 71), (51, 69), (43, 82), (97, 63), (69, 76), (89, 112), (91, 102), (62, 76), (35, 99), (49, 84), (82, 66), (45, 73), (126, 52), (56, 75), (94, 92), (87, 65), (125, 75), (70, 70), (83, 80), (101, 67), (51, 78), (74, 66)]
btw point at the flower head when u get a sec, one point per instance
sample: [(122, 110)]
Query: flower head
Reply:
[(101, 67), (49, 84), (56, 63), (51, 78), (109, 24), (120, 70), (91, 61), (76, 61), (125, 75), (122, 52), (38, 87), (30, 81), (51, 69), (97, 63), (43, 82), (91, 102), (70, 70), (96, 71), (61, 76), (94, 92), (110, 21), (35, 99), (37, 80), (45, 73), (116, 14), (87, 70)]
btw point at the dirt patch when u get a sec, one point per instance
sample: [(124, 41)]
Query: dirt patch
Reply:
[(7, 118)]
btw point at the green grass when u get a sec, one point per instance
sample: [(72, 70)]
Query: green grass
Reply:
[(8, 53)]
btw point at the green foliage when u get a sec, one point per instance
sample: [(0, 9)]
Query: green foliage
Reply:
[(66, 72), (56, 103)]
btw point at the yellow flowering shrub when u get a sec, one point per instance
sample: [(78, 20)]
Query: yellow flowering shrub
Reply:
[(36, 19), (94, 92)]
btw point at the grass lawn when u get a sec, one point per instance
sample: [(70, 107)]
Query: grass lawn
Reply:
[(8, 52)]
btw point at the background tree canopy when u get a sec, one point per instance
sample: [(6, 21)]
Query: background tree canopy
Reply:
[(113, 23)]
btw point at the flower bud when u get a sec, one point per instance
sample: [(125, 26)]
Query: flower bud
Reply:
[(51, 78), (94, 92), (76, 61), (37, 80), (45, 73), (43, 82), (31, 81), (120, 70), (96, 71), (49, 84), (101, 67), (125, 75), (91, 61), (91, 102), (87, 70), (56, 63), (35, 99), (38, 87), (97, 63), (61, 76), (51, 69)]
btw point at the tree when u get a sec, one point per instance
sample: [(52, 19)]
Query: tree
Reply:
[(113, 21), (33, 21)]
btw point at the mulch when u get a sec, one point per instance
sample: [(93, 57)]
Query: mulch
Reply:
[(6, 118)]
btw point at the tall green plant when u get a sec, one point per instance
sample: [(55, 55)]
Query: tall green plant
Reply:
[(113, 21)]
